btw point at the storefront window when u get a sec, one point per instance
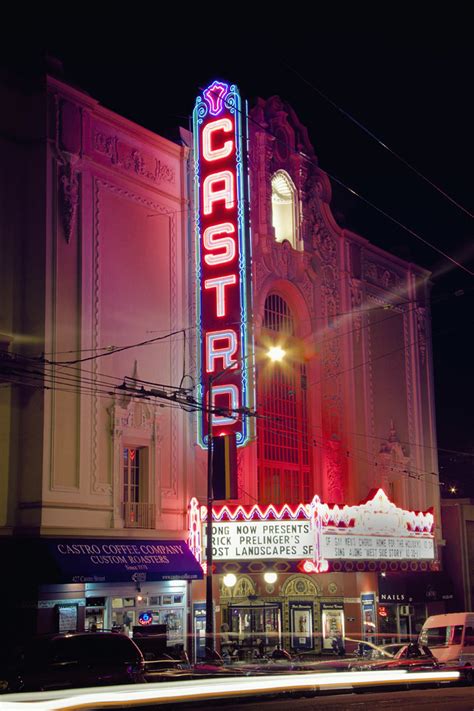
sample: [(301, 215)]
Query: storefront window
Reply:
[(125, 618), (254, 625)]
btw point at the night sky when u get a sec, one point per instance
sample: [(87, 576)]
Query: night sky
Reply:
[(406, 79)]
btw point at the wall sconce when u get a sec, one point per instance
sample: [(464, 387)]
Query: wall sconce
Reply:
[(270, 577), (229, 580)]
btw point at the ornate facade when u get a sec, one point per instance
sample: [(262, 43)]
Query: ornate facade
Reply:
[(356, 412), (99, 304)]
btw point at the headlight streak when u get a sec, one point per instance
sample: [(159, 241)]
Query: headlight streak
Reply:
[(208, 689)]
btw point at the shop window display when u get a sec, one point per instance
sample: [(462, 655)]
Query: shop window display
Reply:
[(125, 616)]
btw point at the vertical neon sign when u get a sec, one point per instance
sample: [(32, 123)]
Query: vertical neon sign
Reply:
[(223, 275)]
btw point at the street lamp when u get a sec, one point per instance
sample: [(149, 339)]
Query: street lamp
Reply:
[(275, 353)]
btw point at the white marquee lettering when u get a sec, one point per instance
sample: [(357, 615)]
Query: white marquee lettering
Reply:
[(225, 193), (232, 393), (209, 153), (228, 348), (219, 284), (213, 240)]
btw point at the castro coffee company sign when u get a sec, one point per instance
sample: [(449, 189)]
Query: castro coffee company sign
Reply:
[(94, 560), (222, 259)]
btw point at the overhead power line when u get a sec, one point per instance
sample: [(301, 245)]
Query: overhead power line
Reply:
[(397, 222), (381, 143)]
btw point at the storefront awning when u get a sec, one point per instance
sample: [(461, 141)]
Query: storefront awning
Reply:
[(89, 560)]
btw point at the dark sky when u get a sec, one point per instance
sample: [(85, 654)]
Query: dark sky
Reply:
[(407, 79)]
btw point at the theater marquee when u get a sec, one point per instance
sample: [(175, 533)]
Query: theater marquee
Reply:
[(373, 535), (222, 259)]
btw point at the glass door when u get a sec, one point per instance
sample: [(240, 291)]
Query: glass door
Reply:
[(256, 626)]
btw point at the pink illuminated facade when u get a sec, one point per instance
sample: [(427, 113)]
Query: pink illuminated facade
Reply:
[(350, 410), (141, 269)]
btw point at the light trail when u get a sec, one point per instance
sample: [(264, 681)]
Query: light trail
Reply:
[(211, 689)]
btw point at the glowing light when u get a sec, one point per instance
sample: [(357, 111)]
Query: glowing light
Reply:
[(232, 393), (309, 566), (212, 242), (223, 250), (219, 284), (226, 192), (194, 529), (270, 577), (229, 580), (217, 688), (256, 512), (215, 95), (210, 153), (276, 353), (145, 618), (225, 351)]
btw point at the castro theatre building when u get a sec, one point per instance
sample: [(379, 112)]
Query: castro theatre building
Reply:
[(337, 491), (336, 494)]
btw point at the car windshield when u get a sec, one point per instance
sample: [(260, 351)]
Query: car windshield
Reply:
[(442, 636), (413, 651)]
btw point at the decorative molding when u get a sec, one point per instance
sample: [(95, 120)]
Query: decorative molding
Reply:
[(356, 290), (335, 466), (379, 300), (392, 456), (300, 585), (133, 420), (381, 276), (98, 486), (100, 183), (129, 159), (68, 194), (420, 313), (409, 350)]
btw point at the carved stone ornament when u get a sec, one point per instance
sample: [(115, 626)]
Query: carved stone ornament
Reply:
[(378, 274), (334, 463), (282, 261), (130, 159), (68, 196), (356, 303), (421, 330), (300, 585)]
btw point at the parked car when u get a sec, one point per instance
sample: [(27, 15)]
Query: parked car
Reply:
[(68, 661), (385, 651), (413, 657)]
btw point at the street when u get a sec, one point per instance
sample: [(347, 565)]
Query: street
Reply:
[(442, 699)]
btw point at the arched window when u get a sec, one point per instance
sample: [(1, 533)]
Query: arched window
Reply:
[(284, 464), (284, 209)]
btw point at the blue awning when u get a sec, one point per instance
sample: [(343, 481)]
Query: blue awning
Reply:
[(100, 560)]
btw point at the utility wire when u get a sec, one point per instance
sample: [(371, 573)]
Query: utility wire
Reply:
[(117, 350), (372, 135), (400, 224), (314, 163), (177, 401)]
